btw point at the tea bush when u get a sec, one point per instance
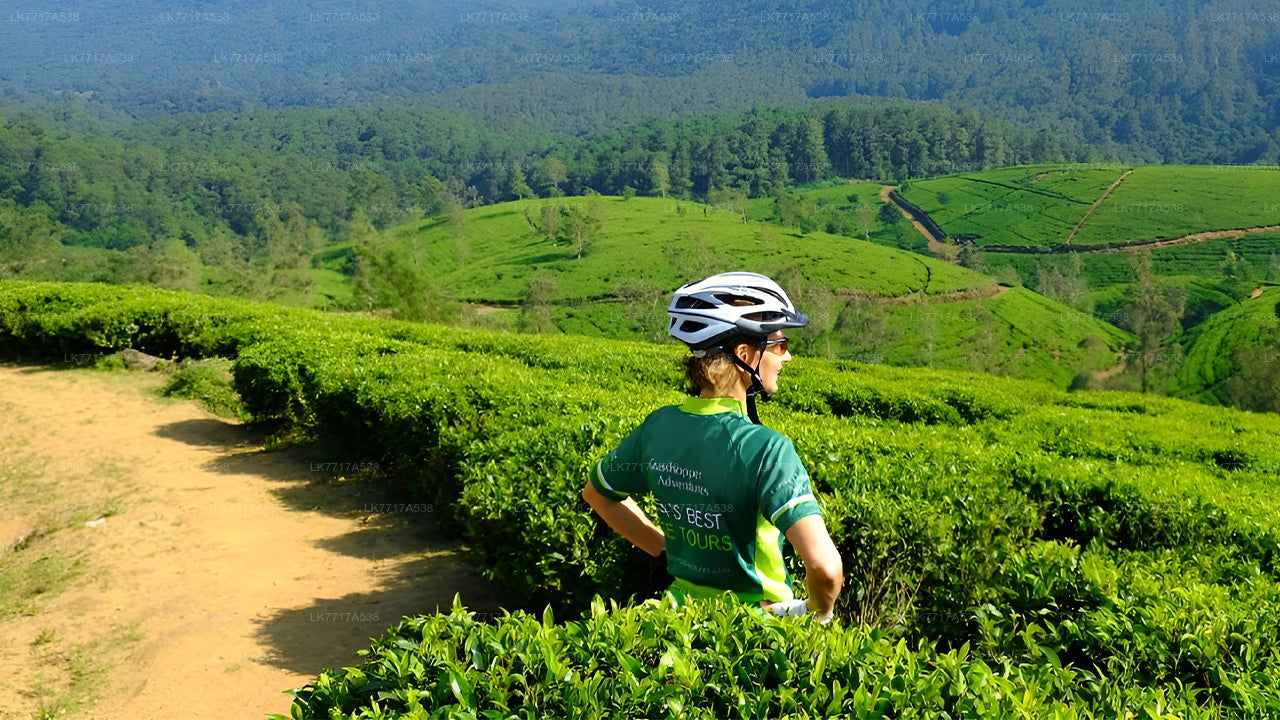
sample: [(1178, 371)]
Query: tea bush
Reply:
[(1076, 542)]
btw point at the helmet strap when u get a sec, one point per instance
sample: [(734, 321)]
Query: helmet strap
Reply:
[(756, 388)]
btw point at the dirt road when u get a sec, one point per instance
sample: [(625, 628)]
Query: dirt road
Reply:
[(207, 574), (940, 250)]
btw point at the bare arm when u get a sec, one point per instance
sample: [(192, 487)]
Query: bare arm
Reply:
[(628, 520), (823, 568)]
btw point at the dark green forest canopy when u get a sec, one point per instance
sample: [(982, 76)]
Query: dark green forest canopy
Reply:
[(1195, 82), (117, 183)]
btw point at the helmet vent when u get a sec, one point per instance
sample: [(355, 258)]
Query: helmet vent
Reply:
[(736, 300), (691, 326), (688, 301)]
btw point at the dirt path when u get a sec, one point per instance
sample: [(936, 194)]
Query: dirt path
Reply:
[(1192, 238), (222, 575), (1096, 203), (940, 250)]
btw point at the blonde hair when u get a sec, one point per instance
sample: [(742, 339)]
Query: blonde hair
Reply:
[(715, 371)]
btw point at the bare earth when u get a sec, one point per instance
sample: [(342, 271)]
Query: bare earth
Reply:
[(245, 572), (940, 250)]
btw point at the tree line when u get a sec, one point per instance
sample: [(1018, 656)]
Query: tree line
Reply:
[(248, 192)]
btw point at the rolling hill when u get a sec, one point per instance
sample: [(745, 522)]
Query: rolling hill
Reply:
[(1211, 232), (1035, 208), (867, 301), (1214, 366)]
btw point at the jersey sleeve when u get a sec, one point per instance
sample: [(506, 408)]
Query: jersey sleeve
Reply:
[(783, 490), (619, 474)]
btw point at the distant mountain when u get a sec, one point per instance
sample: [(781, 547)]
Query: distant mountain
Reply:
[(1199, 82)]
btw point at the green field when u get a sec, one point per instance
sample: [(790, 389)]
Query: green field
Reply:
[(1010, 549), (1017, 333), (1039, 205), (1170, 201), (1029, 205), (660, 243), (834, 208), (1211, 347), (1195, 266), (646, 247)]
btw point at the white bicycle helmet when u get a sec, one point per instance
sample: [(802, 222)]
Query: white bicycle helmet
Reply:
[(725, 309), (708, 313)]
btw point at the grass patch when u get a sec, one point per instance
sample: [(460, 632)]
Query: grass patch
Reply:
[(70, 677), (28, 573)]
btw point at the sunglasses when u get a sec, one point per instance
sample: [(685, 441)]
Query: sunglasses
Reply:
[(777, 346)]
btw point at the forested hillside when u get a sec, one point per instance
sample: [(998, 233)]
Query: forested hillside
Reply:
[(245, 203), (1193, 82)]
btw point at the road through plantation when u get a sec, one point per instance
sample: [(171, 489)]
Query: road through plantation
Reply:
[(158, 562)]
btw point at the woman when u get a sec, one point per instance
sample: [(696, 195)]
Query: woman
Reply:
[(727, 489)]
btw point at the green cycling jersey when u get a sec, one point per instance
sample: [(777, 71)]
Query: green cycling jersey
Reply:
[(726, 491)]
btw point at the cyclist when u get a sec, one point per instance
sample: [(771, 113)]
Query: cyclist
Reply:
[(727, 489)]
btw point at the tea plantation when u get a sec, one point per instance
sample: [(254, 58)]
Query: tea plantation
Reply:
[(1010, 549), (645, 247), (1038, 206)]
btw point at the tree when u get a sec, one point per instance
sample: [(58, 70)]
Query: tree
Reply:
[(732, 200), (818, 302), (972, 257), (1154, 312), (1237, 276), (814, 163), (174, 266), (866, 215), (795, 210), (535, 305), (1256, 386), (583, 223), (431, 193), (660, 174), (550, 228), (285, 236), (519, 185), (641, 306), (889, 214), (28, 238), (863, 327), (401, 278), (549, 175), (1064, 282)]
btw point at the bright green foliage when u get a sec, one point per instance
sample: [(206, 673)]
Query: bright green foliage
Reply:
[(1039, 205), (1212, 346), (718, 659), (1197, 266), (852, 209), (1030, 205), (1104, 551), (208, 381), (993, 335), (664, 243), (1169, 201), (651, 246)]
